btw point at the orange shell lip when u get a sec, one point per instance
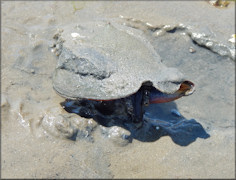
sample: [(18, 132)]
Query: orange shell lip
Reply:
[(187, 88)]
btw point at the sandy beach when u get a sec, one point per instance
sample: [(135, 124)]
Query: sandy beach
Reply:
[(36, 141)]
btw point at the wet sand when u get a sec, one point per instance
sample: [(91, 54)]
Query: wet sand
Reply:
[(32, 146)]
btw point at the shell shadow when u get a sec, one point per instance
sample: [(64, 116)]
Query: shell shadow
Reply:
[(159, 120), (165, 120)]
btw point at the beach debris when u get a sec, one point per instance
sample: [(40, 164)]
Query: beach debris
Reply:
[(192, 50), (232, 39), (219, 3)]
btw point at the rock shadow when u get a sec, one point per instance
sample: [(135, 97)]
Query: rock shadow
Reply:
[(159, 120)]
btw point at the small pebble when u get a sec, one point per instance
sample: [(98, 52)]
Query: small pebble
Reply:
[(57, 53), (32, 71), (149, 25), (192, 50), (232, 39), (75, 35), (58, 46)]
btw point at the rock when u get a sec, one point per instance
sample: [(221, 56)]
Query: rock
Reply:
[(69, 126), (84, 127), (192, 50), (119, 136)]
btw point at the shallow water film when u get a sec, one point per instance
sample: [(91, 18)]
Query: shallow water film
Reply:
[(44, 135)]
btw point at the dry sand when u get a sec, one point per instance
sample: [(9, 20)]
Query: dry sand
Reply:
[(31, 148)]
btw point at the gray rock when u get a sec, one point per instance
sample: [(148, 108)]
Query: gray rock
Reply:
[(118, 135), (69, 126)]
